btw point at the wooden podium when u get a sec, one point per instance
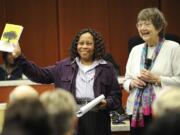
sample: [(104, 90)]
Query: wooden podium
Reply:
[(7, 86)]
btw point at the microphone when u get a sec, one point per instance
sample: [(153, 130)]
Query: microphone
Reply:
[(147, 63)]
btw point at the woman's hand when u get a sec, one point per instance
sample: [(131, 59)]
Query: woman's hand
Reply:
[(137, 83), (17, 51), (102, 104), (149, 77)]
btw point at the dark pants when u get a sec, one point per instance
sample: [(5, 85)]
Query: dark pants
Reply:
[(94, 123), (140, 130)]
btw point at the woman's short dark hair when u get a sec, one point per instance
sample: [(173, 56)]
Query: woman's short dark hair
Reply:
[(156, 17), (99, 47), (28, 114), (5, 59)]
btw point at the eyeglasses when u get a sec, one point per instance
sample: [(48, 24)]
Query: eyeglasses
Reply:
[(144, 23), (87, 43)]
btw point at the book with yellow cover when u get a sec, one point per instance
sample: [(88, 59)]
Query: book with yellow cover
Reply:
[(10, 37)]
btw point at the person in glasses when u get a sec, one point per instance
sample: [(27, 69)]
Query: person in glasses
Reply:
[(86, 75), (151, 66)]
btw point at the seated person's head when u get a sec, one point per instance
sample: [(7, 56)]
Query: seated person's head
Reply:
[(9, 69), (8, 58), (61, 107), (14, 129), (168, 99), (167, 124), (27, 115), (22, 92)]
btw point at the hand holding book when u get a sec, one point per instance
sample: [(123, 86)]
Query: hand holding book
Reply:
[(16, 51)]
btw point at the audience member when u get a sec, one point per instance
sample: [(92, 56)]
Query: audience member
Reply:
[(27, 115), (9, 70), (168, 99), (166, 124), (22, 92), (14, 129), (166, 113), (61, 106)]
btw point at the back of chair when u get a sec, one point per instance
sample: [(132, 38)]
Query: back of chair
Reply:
[(172, 37), (133, 41)]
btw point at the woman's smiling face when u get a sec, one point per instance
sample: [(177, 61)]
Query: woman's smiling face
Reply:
[(85, 47), (147, 31)]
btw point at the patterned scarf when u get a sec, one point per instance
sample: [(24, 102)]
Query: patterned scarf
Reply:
[(144, 97)]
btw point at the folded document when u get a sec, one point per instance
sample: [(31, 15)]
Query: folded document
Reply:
[(89, 106)]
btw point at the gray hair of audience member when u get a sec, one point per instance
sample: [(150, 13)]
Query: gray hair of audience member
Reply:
[(27, 115), (61, 106), (167, 100), (22, 92)]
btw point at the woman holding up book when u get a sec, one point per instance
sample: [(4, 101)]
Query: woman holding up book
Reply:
[(86, 75)]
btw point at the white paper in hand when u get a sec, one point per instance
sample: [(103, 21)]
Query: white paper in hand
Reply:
[(6, 47), (89, 106)]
